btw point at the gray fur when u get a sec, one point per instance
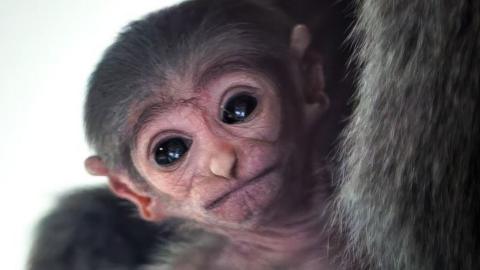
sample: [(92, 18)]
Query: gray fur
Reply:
[(410, 197), (92, 229), (192, 248)]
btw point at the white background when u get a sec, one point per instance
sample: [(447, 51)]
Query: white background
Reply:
[(47, 51)]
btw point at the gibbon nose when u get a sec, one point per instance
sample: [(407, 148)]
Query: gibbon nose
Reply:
[(223, 161)]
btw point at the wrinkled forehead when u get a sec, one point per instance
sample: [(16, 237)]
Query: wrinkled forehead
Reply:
[(179, 69), (173, 69), (188, 76), (187, 89), (196, 90)]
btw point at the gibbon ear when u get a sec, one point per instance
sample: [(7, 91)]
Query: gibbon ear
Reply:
[(312, 67), (121, 184)]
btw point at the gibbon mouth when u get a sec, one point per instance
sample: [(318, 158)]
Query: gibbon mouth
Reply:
[(224, 197)]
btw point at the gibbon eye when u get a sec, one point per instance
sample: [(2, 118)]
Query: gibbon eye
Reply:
[(170, 151), (238, 108)]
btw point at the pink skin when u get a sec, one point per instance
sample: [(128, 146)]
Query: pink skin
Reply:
[(233, 175), (240, 160)]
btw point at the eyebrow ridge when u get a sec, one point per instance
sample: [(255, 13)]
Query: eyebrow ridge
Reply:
[(150, 113), (217, 70)]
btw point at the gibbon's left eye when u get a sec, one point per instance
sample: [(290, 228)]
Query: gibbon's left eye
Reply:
[(238, 108)]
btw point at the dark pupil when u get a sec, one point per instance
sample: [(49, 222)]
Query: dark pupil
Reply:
[(170, 151), (238, 108)]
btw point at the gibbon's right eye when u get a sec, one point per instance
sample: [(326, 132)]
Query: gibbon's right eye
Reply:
[(169, 151)]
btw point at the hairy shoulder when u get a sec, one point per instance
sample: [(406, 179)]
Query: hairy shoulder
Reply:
[(93, 229)]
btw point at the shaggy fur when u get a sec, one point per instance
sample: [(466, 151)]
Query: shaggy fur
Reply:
[(410, 194), (92, 229)]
